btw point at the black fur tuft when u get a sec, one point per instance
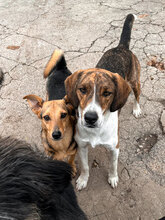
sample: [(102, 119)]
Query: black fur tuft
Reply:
[(55, 83), (61, 64), (34, 185)]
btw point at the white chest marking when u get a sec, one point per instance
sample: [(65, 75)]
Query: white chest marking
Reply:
[(106, 134)]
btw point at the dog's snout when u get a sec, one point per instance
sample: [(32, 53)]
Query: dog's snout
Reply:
[(91, 117), (56, 135)]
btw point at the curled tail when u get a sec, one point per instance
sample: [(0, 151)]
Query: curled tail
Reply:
[(57, 61), (126, 32)]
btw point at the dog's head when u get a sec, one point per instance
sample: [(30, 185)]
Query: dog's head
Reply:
[(55, 115), (94, 92)]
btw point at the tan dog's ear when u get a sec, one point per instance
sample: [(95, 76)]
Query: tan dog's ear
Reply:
[(71, 86), (70, 109), (122, 91), (35, 103), (69, 106)]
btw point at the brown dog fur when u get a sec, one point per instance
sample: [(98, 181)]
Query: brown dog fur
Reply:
[(56, 115), (65, 148)]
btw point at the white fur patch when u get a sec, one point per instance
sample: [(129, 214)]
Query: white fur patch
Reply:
[(136, 109), (81, 182), (93, 106), (106, 135), (135, 16), (113, 181)]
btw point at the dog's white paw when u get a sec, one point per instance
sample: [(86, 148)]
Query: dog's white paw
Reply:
[(113, 181), (136, 110), (81, 182)]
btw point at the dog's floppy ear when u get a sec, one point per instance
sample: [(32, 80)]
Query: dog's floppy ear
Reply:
[(122, 91), (70, 109), (71, 86), (35, 103), (57, 61)]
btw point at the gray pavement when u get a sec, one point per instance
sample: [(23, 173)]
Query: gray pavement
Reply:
[(85, 29)]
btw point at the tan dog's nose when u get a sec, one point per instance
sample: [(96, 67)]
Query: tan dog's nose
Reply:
[(56, 135)]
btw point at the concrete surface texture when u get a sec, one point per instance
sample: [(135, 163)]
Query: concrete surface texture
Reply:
[(85, 29)]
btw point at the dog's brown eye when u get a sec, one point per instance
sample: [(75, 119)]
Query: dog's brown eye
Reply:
[(46, 117), (83, 90), (63, 115), (106, 93)]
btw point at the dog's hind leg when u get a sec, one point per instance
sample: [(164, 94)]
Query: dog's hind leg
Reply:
[(135, 84), (136, 106), (83, 178)]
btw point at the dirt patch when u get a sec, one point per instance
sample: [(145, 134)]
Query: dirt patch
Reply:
[(143, 16), (13, 47), (146, 142)]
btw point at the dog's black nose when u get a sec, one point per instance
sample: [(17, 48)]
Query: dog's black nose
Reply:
[(91, 117), (56, 135)]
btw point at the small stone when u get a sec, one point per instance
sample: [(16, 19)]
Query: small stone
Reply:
[(140, 146), (132, 203), (122, 193), (95, 164)]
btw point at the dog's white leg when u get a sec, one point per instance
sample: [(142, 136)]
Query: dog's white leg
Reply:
[(136, 109), (113, 176), (83, 178)]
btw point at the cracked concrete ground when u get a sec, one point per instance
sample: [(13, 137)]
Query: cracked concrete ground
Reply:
[(85, 29)]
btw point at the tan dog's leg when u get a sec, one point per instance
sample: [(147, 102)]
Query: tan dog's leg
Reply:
[(71, 161)]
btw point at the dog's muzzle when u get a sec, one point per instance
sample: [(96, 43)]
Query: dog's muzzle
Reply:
[(91, 119)]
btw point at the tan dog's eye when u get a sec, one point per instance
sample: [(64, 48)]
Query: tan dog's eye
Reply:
[(46, 117), (63, 115), (83, 90), (106, 93)]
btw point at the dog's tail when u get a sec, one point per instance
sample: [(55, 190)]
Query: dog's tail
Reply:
[(57, 61), (126, 32)]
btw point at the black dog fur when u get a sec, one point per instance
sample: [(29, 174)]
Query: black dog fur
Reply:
[(55, 83), (34, 185), (119, 59)]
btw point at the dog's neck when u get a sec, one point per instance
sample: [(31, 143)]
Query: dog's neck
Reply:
[(107, 134)]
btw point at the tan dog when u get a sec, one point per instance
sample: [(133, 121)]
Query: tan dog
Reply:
[(98, 94), (58, 122)]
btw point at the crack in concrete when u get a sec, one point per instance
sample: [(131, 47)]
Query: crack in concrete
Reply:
[(114, 25)]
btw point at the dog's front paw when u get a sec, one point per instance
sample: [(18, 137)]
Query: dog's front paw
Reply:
[(113, 181), (81, 182), (136, 110)]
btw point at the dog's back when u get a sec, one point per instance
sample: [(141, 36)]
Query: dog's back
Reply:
[(31, 184), (119, 59), (56, 71)]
